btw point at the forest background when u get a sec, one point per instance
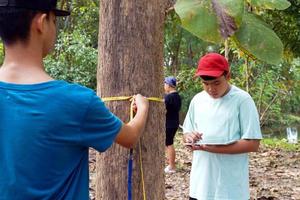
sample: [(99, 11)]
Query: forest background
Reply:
[(274, 88)]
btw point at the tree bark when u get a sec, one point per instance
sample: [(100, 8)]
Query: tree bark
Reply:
[(131, 62)]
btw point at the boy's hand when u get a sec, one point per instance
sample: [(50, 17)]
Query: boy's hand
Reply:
[(140, 102), (191, 138)]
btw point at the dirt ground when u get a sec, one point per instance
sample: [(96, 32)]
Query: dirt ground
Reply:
[(274, 175)]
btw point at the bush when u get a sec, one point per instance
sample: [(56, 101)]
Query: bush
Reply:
[(74, 59)]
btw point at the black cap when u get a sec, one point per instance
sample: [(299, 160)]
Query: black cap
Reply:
[(38, 5)]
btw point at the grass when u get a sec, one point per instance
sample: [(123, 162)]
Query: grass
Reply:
[(281, 144)]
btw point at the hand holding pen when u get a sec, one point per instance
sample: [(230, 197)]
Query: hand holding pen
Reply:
[(190, 138)]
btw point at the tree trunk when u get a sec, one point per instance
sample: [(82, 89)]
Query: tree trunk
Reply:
[(131, 62)]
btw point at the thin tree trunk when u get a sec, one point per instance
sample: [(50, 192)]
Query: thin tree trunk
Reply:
[(190, 53), (247, 76), (226, 46), (130, 62), (175, 56), (262, 117), (260, 97)]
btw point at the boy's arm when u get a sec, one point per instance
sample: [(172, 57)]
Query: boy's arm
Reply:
[(130, 132), (241, 146)]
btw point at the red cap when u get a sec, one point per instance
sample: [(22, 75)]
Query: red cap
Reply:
[(212, 64)]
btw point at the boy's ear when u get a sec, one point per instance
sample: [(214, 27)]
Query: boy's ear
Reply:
[(40, 21), (228, 76)]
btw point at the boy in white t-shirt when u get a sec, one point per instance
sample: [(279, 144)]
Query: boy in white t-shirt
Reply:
[(222, 127)]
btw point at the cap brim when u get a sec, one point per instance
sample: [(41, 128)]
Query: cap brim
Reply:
[(210, 73), (61, 13)]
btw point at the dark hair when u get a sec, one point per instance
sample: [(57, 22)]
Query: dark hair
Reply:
[(15, 24), (209, 78)]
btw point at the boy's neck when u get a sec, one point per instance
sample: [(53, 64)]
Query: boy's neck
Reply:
[(23, 64), (172, 91)]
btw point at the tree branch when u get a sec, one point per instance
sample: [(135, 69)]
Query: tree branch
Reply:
[(265, 111)]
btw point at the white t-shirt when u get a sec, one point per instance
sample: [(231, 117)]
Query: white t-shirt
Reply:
[(234, 116)]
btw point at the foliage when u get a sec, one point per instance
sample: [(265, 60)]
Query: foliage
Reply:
[(84, 17), (188, 86), (270, 4), (286, 24), (275, 143), (257, 40), (216, 21), (211, 20), (181, 48), (75, 56), (74, 59), (274, 89), (182, 51)]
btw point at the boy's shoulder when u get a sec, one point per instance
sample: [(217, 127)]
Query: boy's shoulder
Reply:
[(77, 92), (75, 87), (200, 96), (59, 92), (237, 92), (74, 91)]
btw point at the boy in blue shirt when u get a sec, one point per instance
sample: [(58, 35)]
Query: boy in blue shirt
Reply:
[(222, 126), (46, 125)]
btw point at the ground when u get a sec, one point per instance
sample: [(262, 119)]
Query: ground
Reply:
[(274, 174)]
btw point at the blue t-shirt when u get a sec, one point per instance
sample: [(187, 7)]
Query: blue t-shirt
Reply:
[(46, 130)]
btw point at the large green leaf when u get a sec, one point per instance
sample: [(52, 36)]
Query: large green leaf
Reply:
[(210, 20), (271, 4), (256, 39)]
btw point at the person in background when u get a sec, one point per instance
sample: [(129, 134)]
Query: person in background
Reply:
[(223, 112), (173, 105), (47, 125)]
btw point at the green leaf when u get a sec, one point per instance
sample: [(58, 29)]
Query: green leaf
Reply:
[(271, 4), (210, 20), (256, 39)]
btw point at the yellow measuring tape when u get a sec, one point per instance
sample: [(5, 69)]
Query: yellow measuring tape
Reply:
[(123, 98)]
